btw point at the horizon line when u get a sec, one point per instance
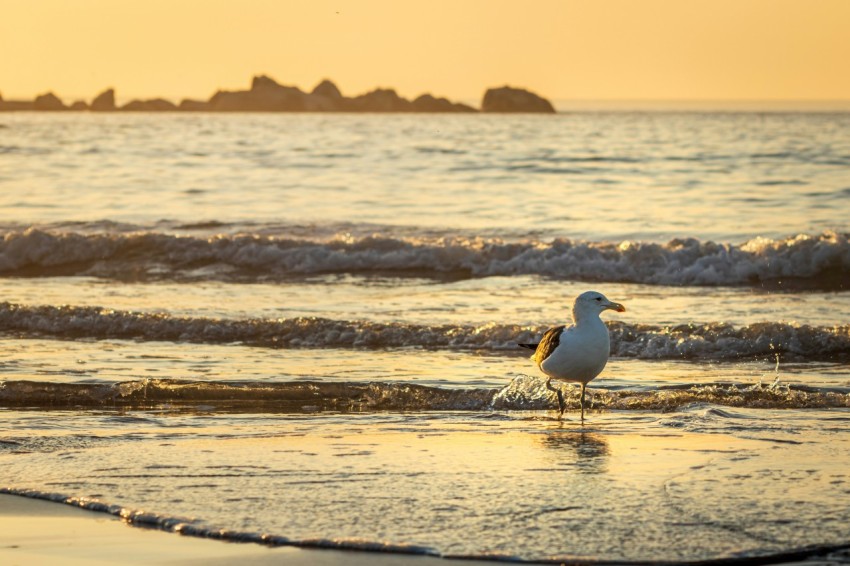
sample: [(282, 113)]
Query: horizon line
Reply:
[(564, 104), (561, 99), (753, 103)]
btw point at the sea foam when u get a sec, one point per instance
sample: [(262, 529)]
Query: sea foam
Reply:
[(523, 393), (820, 260), (694, 342)]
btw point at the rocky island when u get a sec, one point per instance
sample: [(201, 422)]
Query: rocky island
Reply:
[(267, 95)]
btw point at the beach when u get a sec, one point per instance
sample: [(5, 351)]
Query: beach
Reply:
[(687, 486), (301, 331), (37, 532)]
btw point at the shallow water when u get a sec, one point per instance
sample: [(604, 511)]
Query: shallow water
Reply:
[(305, 326), (701, 482)]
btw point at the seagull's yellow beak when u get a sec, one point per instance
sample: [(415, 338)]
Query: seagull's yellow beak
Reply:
[(616, 307)]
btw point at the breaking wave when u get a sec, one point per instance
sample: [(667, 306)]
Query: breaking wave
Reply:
[(696, 342), (524, 393), (821, 260)]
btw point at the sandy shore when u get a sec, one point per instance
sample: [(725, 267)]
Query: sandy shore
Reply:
[(35, 532), (629, 486)]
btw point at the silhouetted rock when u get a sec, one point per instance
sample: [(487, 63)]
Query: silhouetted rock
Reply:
[(380, 100), (317, 103), (104, 102), (15, 105), (508, 99), (48, 101), (189, 105), (161, 105), (265, 95), (428, 103), (327, 89), (231, 101), (260, 82), (153, 105), (326, 97)]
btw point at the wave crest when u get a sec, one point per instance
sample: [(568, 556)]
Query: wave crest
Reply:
[(820, 260), (696, 342), (524, 393), (531, 393)]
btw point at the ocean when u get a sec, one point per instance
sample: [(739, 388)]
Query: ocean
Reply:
[(301, 329)]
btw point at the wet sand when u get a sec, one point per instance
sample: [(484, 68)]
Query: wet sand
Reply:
[(702, 484), (35, 532)]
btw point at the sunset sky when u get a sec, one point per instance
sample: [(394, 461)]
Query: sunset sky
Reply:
[(605, 49)]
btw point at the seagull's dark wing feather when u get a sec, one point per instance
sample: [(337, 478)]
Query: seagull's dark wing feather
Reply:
[(548, 343)]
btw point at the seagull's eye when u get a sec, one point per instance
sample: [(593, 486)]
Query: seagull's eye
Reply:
[(598, 298)]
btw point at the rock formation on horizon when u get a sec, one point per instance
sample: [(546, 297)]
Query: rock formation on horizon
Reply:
[(267, 95), (327, 89), (153, 105), (509, 99), (380, 100), (48, 101), (104, 102), (428, 103), (189, 105), (13, 105)]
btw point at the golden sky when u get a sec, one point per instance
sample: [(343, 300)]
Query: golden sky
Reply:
[(562, 49)]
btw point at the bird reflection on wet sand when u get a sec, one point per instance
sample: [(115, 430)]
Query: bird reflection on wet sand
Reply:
[(584, 452)]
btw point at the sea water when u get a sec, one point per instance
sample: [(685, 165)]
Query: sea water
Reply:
[(301, 329)]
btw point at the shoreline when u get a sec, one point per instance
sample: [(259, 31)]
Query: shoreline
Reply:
[(38, 531), (400, 488)]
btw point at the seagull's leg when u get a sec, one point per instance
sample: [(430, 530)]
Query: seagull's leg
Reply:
[(562, 405), (583, 387)]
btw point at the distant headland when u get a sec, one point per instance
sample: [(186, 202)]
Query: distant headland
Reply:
[(267, 95)]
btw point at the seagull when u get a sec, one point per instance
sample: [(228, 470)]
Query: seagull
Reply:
[(576, 353)]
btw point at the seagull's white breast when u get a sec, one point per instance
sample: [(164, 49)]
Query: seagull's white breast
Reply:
[(581, 354)]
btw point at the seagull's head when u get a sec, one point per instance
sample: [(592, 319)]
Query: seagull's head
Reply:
[(593, 302)]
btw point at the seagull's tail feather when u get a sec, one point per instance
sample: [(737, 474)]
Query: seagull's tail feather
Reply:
[(529, 346)]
